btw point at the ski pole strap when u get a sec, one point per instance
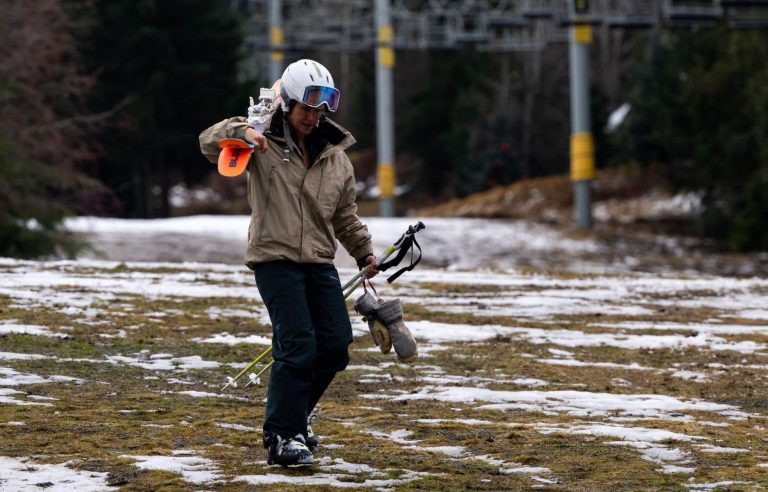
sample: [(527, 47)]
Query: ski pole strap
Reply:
[(408, 243), (370, 284)]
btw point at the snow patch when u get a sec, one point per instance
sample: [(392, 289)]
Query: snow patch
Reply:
[(15, 378), (8, 396), (333, 480), (237, 427), (457, 421), (708, 448), (713, 486), (8, 327), (15, 356), (675, 469), (576, 403), (524, 469), (192, 468), (337, 464), (228, 339), (24, 474), (577, 363), (163, 362)]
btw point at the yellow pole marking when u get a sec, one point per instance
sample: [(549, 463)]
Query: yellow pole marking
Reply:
[(582, 157)]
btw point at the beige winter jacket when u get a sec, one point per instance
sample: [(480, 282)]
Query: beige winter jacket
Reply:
[(297, 213)]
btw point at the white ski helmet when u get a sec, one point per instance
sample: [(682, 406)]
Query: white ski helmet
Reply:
[(310, 83)]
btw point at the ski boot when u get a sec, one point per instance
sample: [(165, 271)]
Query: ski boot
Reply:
[(312, 441), (292, 451)]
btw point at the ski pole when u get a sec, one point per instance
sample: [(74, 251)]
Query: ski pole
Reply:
[(254, 378), (231, 381), (359, 275), (353, 283)]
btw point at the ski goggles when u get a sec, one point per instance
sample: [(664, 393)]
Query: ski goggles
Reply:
[(317, 95)]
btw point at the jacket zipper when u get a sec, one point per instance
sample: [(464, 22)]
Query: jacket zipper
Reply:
[(266, 202), (301, 208), (320, 183)]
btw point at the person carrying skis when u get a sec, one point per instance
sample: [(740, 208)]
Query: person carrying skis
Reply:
[(301, 190)]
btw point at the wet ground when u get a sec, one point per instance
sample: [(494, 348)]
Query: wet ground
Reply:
[(447, 243)]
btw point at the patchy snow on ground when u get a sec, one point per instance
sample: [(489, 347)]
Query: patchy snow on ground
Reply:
[(191, 467), (9, 326), (238, 427), (652, 443), (610, 320), (575, 403), (19, 474), (479, 239), (15, 356), (725, 484), (11, 377), (163, 362), (229, 339), (338, 480), (11, 397)]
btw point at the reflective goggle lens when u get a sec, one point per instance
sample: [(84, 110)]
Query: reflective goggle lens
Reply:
[(315, 96)]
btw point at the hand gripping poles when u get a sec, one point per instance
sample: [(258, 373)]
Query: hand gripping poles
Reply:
[(406, 243)]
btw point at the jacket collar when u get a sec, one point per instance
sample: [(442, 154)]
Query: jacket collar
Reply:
[(327, 133)]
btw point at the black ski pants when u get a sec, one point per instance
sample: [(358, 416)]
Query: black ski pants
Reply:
[(311, 333)]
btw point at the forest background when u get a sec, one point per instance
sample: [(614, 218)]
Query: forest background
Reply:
[(101, 103)]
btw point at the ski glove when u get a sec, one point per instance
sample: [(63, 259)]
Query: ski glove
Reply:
[(393, 333), (365, 305), (390, 314)]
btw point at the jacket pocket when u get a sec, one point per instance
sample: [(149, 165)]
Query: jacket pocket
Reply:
[(325, 254)]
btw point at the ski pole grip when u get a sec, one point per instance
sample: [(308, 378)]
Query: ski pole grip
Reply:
[(418, 227)]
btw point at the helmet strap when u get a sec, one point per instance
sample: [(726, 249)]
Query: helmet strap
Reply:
[(288, 139), (286, 100)]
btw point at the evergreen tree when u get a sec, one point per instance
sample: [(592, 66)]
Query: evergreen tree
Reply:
[(443, 114), (496, 153), (173, 64), (42, 129), (699, 111)]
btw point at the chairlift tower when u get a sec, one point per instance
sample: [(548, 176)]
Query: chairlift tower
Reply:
[(276, 40), (582, 142), (385, 120), (280, 27)]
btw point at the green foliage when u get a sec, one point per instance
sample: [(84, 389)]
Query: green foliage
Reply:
[(362, 119), (480, 120), (30, 214), (496, 154), (42, 130), (699, 112), (173, 64), (442, 112)]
